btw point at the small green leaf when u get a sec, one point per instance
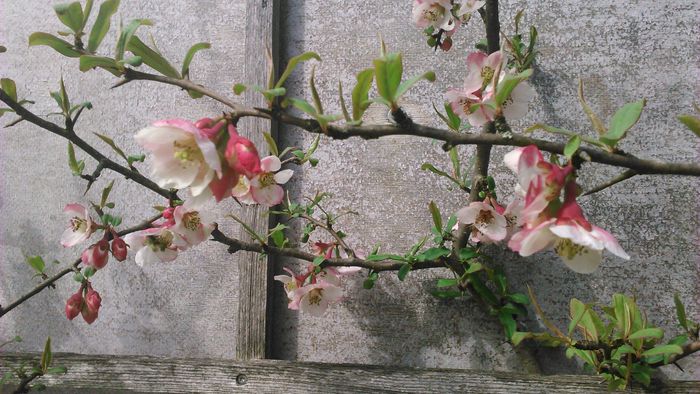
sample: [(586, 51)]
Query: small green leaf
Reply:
[(87, 11), (508, 323), (293, 64), (88, 62), (102, 23), (663, 349), (446, 294), (518, 336), (90, 271), (435, 213), (360, 98), (510, 81), (388, 71), (271, 143), (190, 54), (691, 122), (112, 145), (56, 370), (61, 46), (318, 260), (152, 58), (343, 106), (314, 92), (9, 87), (132, 61), (595, 120), (572, 146), (403, 271), (126, 35), (73, 164), (304, 106), (474, 267), (680, 311), (407, 84), (37, 263), (623, 120), (447, 282), (46, 356), (467, 253), (239, 88), (519, 298), (652, 332), (433, 254), (105, 193), (71, 15)]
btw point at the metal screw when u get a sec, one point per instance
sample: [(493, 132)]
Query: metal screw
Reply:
[(241, 379)]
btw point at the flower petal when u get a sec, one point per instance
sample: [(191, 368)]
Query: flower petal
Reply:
[(270, 164), (283, 176), (269, 196)]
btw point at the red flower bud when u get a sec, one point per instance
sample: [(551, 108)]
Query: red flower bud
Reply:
[(207, 126), (241, 154), (74, 304), (91, 306), (446, 44), (96, 255), (119, 249)]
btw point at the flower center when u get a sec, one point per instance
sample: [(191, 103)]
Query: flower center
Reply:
[(78, 224), (187, 152), (315, 296), (434, 13), (568, 250), (160, 242), (484, 216), (267, 179), (191, 220), (486, 76)]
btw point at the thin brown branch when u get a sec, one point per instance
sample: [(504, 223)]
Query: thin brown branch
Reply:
[(71, 268), (24, 383), (235, 245), (622, 177), (329, 229)]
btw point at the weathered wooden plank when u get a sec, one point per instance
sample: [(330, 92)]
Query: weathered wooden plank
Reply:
[(254, 279), (151, 374)]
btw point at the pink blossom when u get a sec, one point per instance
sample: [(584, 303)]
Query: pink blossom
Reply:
[(333, 275), (192, 225), (467, 8), (119, 248), (97, 255), (291, 283), (241, 154), (80, 227), (92, 304), (481, 69), (74, 305), (436, 13), (241, 191), (487, 224), (183, 155), (153, 245), (264, 187), (315, 298)]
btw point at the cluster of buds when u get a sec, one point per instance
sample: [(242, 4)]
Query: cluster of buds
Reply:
[(538, 219), (81, 227), (475, 100), (211, 159), (440, 19), (85, 302)]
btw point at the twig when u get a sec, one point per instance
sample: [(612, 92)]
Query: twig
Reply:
[(329, 229), (22, 388), (73, 267), (624, 176)]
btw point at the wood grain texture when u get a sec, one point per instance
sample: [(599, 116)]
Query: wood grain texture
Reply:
[(150, 374), (254, 271)]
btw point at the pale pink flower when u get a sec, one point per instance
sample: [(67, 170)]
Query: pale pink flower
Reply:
[(265, 187), (153, 245), (183, 155), (487, 224), (467, 8), (462, 100), (80, 226), (97, 255), (315, 298), (242, 191), (333, 275), (192, 225), (291, 283), (481, 69), (436, 13)]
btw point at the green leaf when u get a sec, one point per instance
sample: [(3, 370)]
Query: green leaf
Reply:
[(435, 213), (271, 143), (652, 332), (518, 336), (105, 193), (510, 81), (90, 271), (71, 15), (455, 121), (680, 311), (431, 168), (239, 88), (595, 120), (9, 87), (474, 267), (467, 253), (127, 34), (132, 60), (87, 11), (46, 356), (623, 120), (318, 260), (508, 323), (293, 64), (37, 263), (388, 71), (691, 122), (304, 106), (572, 146), (314, 92), (519, 298), (446, 294), (454, 158), (360, 97), (152, 58), (61, 46), (403, 271), (102, 23), (74, 165), (663, 349), (447, 282), (343, 105), (88, 62), (112, 145), (432, 254), (56, 370), (190, 54), (407, 84)]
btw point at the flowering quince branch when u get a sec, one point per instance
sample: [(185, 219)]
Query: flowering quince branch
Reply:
[(208, 159)]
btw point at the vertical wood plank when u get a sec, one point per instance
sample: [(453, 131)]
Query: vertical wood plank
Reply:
[(255, 272)]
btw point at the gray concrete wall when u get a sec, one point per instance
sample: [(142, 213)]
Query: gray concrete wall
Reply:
[(624, 52), (183, 308)]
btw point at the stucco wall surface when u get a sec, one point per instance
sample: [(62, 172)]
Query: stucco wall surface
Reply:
[(184, 308), (623, 51)]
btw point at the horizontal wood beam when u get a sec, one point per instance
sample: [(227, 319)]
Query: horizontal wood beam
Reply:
[(153, 374)]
